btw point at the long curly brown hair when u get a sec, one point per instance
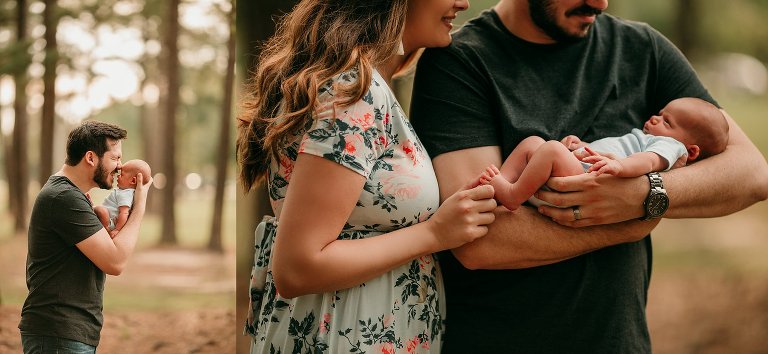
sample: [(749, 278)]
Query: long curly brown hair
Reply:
[(316, 41)]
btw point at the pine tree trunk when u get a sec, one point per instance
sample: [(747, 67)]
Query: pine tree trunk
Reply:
[(19, 145), (222, 158), (686, 23), (171, 37), (255, 23), (50, 19)]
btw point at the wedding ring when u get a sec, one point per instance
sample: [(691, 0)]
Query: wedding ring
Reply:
[(576, 213)]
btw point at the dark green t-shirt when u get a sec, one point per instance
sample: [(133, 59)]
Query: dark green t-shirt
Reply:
[(65, 287), (490, 88)]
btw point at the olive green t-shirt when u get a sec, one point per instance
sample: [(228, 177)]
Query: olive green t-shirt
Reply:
[(65, 287)]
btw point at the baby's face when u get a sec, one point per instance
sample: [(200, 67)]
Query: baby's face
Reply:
[(669, 122), (126, 178)]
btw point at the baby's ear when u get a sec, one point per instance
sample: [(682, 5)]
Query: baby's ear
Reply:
[(693, 152), (133, 180)]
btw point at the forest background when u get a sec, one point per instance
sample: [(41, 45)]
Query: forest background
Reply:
[(164, 70)]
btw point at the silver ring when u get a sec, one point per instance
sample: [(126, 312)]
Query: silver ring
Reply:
[(576, 213)]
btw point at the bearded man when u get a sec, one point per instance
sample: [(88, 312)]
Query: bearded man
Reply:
[(69, 250), (572, 279)]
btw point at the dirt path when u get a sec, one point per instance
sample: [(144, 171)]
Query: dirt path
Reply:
[(167, 301), (200, 332)]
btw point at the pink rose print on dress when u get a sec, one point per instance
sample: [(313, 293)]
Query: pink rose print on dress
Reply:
[(410, 150), (365, 122), (286, 166), (382, 140), (425, 261), (412, 344), (384, 348), (402, 183), (388, 320), (352, 141), (325, 323)]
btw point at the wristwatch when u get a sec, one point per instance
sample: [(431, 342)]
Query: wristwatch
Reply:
[(657, 201)]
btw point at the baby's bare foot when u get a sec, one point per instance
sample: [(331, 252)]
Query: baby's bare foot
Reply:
[(504, 192)]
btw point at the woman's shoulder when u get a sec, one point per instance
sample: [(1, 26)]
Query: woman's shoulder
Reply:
[(376, 87)]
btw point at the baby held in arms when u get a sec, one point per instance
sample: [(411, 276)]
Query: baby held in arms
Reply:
[(685, 130), (113, 213)]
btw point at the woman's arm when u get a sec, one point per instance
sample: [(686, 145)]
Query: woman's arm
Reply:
[(308, 257)]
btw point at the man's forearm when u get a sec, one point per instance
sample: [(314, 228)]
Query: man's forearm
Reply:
[(524, 238), (125, 240)]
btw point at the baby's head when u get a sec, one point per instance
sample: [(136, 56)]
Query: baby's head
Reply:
[(129, 171), (696, 123)]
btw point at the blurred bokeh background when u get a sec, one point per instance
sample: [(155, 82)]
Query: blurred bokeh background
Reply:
[(164, 70), (709, 288)]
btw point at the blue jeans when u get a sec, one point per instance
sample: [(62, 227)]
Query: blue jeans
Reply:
[(37, 344)]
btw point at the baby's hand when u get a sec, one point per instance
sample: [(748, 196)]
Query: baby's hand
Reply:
[(571, 142), (603, 164), (113, 233)]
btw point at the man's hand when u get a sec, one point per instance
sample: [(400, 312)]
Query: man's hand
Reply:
[(601, 199), (140, 195)]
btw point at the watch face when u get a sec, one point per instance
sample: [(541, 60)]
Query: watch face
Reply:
[(657, 205)]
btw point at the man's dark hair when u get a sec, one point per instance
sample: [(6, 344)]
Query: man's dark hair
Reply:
[(91, 136)]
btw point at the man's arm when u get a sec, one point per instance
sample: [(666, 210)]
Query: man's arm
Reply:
[(523, 238), (716, 186), (111, 254)]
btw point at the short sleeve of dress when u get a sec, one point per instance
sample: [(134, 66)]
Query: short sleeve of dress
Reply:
[(355, 137)]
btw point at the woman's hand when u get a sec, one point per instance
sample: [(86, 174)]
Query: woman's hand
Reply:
[(463, 216)]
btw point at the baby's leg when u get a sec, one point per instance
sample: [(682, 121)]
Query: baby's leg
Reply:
[(501, 179), (550, 159), (515, 163), (103, 215)]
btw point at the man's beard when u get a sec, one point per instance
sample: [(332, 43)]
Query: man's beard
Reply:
[(101, 177), (543, 15)]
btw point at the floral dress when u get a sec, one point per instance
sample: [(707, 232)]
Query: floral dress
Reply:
[(397, 312)]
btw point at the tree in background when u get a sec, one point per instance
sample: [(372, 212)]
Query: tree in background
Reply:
[(20, 176), (222, 159), (168, 164), (51, 22), (255, 23)]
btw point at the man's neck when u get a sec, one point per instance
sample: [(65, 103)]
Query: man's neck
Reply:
[(516, 17), (79, 178)]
